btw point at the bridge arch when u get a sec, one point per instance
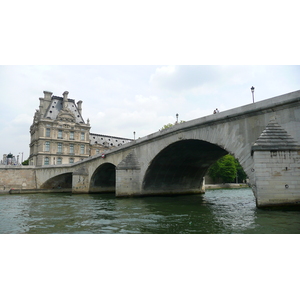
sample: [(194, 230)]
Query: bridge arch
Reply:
[(62, 181), (103, 179), (181, 167)]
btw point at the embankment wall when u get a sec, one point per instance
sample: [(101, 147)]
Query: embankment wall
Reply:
[(17, 177)]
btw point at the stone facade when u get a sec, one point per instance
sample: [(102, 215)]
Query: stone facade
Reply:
[(59, 134)]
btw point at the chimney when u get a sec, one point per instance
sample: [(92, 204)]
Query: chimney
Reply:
[(47, 96), (79, 103), (65, 100), (45, 102)]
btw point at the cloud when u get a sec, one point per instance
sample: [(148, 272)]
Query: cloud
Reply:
[(183, 78)]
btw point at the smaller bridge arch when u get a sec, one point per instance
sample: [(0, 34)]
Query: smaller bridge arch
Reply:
[(103, 179), (62, 181)]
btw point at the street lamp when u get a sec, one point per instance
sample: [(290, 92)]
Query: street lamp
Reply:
[(176, 118), (252, 90), (134, 135)]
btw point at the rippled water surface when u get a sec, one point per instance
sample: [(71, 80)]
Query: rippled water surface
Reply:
[(218, 211)]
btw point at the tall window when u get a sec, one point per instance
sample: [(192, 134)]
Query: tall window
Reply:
[(71, 149), (59, 147), (59, 160), (71, 160), (47, 146), (46, 161), (82, 136), (82, 148), (47, 132), (59, 134), (71, 135)]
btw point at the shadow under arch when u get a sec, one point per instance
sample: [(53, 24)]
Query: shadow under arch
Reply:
[(104, 179), (181, 167), (62, 181)]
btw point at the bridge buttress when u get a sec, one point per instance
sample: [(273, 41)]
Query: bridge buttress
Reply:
[(128, 173), (276, 168), (80, 181)]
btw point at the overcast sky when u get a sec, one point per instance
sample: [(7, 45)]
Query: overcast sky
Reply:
[(119, 100)]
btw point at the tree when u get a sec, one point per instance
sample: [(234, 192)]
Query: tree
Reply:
[(227, 169), (25, 162), (170, 125), (166, 126)]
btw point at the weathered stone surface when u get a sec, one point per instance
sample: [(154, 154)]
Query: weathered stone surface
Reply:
[(130, 162), (274, 137)]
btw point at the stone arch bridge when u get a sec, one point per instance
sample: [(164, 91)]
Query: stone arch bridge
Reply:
[(263, 136)]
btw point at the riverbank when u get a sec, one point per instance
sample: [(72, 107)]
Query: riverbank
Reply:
[(226, 186), (35, 191)]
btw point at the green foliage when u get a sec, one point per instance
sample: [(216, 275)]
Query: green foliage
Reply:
[(25, 162), (227, 169), (170, 125), (167, 126)]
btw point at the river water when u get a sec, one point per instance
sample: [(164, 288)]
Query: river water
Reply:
[(218, 211)]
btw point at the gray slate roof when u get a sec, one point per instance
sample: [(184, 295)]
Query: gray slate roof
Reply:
[(57, 105)]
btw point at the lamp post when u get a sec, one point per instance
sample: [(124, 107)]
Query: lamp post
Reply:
[(176, 118), (134, 135), (252, 90)]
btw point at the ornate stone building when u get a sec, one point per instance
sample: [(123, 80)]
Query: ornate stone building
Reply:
[(59, 134)]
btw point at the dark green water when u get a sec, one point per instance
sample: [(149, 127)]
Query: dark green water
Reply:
[(218, 211)]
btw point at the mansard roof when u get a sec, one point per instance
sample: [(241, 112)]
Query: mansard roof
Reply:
[(70, 113)]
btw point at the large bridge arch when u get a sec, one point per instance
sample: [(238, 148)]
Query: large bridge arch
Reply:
[(181, 167), (103, 179)]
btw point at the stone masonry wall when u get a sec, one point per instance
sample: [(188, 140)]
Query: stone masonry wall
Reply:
[(17, 178), (277, 177)]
